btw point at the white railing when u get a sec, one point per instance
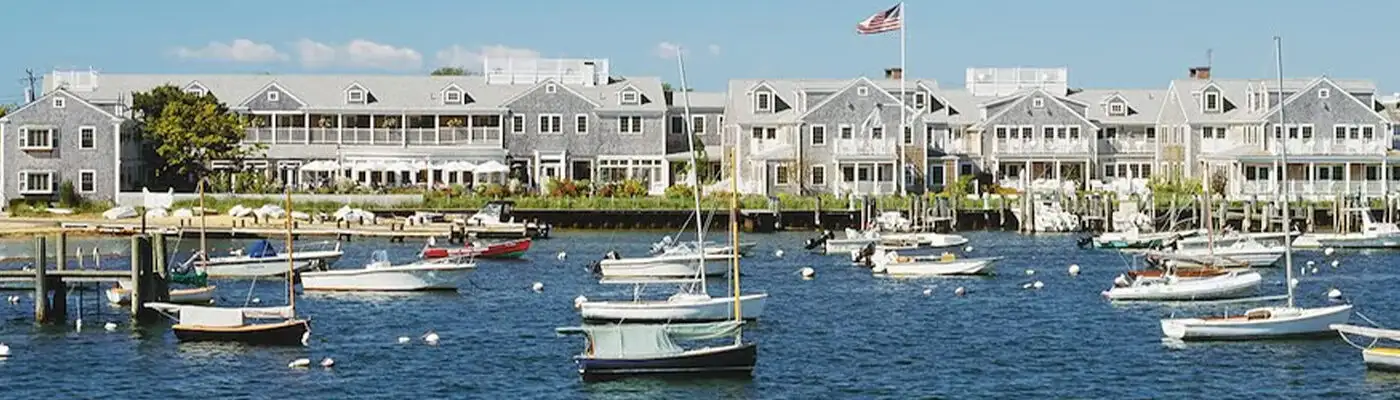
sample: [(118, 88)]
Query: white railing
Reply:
[(866, 187), (760, 146), (1126, 146), (865, 147), (1061, 146), (1315, 188), (1333, 146)]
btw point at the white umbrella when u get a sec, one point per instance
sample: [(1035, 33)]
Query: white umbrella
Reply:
[(420, 165), (313, 166), (491, 167)]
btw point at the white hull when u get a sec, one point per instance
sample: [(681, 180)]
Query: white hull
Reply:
[(412, 277), (1238, 255), (204, 295), (664, 266), (679, 309), (970, 266), (928, 239), (1260, 323), (248, 267), (1381, 359), (1228, 286), (842, 246)]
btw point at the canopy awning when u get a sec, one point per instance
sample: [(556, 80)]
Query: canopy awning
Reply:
[(461, 166), (492, 167), (321, 166)]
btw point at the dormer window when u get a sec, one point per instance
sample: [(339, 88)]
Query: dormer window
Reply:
[(1117, 109), (920, 100), (452, 97), (355, 96), (863, 91), (763, 101), (1212, 101), (1038, 102), (196, 89), (1256, 101), (274, 96), (552, 88), (1324, 93), (60, 102), (630, 97)]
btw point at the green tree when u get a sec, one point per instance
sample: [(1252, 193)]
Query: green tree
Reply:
[(192, 132), (5, 109), (453, 71), (148, 107)]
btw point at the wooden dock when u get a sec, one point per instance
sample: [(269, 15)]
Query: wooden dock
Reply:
[(51, 278)]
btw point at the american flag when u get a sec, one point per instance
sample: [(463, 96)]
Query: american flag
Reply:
[(884, 21)]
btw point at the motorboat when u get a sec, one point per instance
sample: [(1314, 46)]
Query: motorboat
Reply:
[(1259, 323), (923, 239), (481, 249), (200, 295), (1239, 254), (853, 241), (382, 276), (495, 220), (1169, 287), (1373, 235), (671, 246), (1135, 239), (662, 266), (615, 351), (893, 264), (261, 259)]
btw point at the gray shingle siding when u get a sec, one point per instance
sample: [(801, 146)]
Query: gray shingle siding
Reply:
[(1024, 112), (603, 137), (1337, 108), (67, 158), (260, 102)]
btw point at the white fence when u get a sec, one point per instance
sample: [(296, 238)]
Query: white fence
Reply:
[(138, 199)]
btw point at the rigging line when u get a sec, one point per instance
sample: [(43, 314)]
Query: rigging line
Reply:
[(249, 299)]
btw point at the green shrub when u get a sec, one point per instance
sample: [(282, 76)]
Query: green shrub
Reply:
[(68, 196), (680, 192), (632, 188), (562, 188)]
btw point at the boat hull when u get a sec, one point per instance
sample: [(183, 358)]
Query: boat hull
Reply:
[(664, 266), (243, 267), (729, 361), (971, 266), (204, 295), (286, 333), (509, 249), (1214, 288), (926, 239), (842, 246), (1307, 322), (686, 310), (1228, 259), (387, 279), (1361, 242), (1382, 359)]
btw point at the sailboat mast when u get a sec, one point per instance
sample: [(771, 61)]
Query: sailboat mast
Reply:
[(734, 225), (695, 175), (291, 258), (1210, 222), (203, 241), (1283, 157)]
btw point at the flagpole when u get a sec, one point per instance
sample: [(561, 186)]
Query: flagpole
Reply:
[(903, 123)]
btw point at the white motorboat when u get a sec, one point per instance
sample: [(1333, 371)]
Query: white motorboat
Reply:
[(1240, 254), (682, 306), (1373, 235), (200, 295), (262, 259), (662, 266), (382, 276), (853, 241), (1049, 216), (1202, 243), (1375, 357), (1259, 323), (893, 264), (927, 239), (1168, 287)]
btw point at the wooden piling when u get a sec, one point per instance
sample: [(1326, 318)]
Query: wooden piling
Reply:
[(41, 280), (160, 279), (140, 269), (61, 251)]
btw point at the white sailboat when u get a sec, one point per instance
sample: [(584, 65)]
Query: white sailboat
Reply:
[(382, 276), (1265, 322), (692, 302)]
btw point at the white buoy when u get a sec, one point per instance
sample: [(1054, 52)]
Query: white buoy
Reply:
[(1026, 285), (578, 301), (1328, 251), (431, 338), (808, 272), (403, 339), (928, 292), (959, 291), (4, 350), (967, 249), (538, 287), (1294, 282), (14, 299), (300, 363), (1312, 263), (1073, 269), (562, 256), (327, 362), (778, 253), (1336, 263), (1334, 293), (1314, 270), (1030, 272), (1038, 284), (110, 326)]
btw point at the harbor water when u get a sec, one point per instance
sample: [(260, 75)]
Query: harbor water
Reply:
[(844, 334)]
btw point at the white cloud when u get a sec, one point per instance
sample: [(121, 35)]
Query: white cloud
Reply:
[(714, 49), (359, 53), (668, 50), (458, 56), (239, 50)]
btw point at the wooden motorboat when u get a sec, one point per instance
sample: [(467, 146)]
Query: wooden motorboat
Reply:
[(478, 249)]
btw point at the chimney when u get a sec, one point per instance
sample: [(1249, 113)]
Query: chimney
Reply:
[(894, 73), (1200, 73), (28, 95)]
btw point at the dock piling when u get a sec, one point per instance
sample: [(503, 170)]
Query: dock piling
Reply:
[(61, 249), (41, 281)]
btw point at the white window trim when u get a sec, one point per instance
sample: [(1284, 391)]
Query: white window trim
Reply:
[(452, 97), (581, 118), (198, 91), (1117, 109), (906, 137), (517, 123), (811, 177), (60, 102), (1038, 102), (630, 97), (24, 139), (813, 134), (1312, 134), (274, 96), (862, 91), (871, 132), (920, 100), (843, 128), (81, 172), (24, 182), (778, 174), (697, 120), (551, 88), (1324, 93), (547, 121), (759, 105), (91, 128), (633, 129), (355, 96), (1205, 101)]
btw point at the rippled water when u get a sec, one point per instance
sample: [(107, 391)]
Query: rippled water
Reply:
[(844, 334)]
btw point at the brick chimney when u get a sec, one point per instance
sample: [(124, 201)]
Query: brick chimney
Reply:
[(894, 73), (1200, 73)]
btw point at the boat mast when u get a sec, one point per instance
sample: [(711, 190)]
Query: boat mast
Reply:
[(695, 177), (734, 225), (291, 259), (203, 242), (1210, 222), (1283, 158)]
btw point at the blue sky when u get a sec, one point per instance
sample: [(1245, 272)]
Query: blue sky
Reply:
[(1127, 44)]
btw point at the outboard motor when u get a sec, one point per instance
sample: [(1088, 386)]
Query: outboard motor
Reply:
[(819, 241), (597, 266), (1085, 242), (865, 255)]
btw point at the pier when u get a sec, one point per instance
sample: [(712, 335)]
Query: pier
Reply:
[(51, 277)]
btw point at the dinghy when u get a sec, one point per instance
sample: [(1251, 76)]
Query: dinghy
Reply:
[(382, 276), (616, 351), (200, 295), (477, 249), (893, 264), (1375, 357)]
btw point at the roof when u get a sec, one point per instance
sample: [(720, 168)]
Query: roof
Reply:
[(1236, 92), (739, 109), (1143, 104), (391, 92), (698, 99)]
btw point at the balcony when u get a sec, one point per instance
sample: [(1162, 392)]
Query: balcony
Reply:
[(1126, 146), (475, 136), (866, 187), (1317, 189), (954, 146), (870, 148), (1333, 146), (1050, 146)]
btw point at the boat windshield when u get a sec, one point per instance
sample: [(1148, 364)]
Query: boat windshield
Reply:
[(378, 257)]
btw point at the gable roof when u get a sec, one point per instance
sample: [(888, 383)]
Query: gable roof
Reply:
[(1316, 82), (1238, 88), (542, 84), (46, 99), (855, 83), (1144, 105), (264, 89), (1026, 94)]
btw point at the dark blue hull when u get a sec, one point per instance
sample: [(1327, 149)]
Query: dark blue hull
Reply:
[(735, 362)]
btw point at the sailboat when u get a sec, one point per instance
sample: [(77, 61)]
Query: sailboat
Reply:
[(220, 324), (614, 351), (692, 302), (1265, 322)]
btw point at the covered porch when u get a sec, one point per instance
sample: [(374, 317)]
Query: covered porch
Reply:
[(1311, 177), (1038, 175)]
